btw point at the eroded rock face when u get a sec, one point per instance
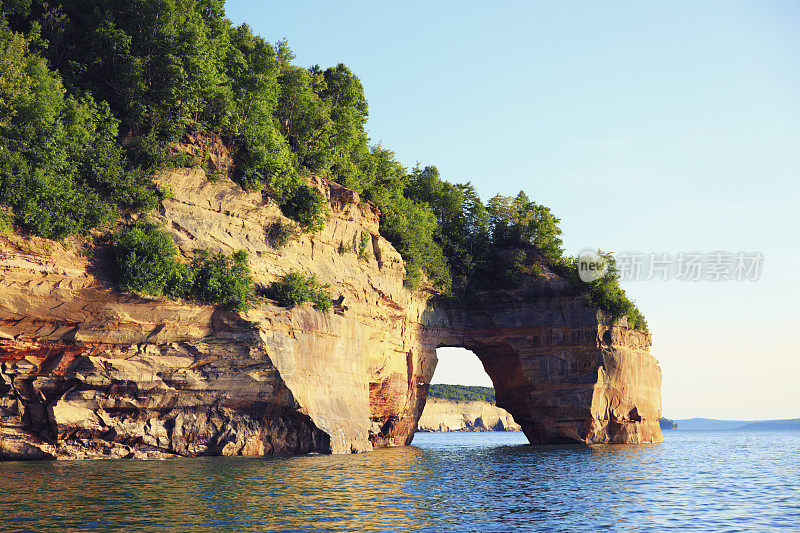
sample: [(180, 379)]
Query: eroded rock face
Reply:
[(563, 374), (86, 371)]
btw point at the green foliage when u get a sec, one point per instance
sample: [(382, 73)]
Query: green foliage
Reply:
[(407, 223), (61, 168), (322, 115), (92, 92), (518, 220), (296, 288), (165, 193), (221, 279), (516, 268), (167, 67), (307, 206), (362, 245), (606, 293), (145, 259), (6, 221), (462, 230), (159, 63), (279, 234), (461, 393), (263, 154)]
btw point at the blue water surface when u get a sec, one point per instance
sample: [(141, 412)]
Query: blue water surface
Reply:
[(694, 481)]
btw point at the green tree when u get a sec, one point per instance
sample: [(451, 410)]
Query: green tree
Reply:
[(159, 63), (263, 156), (519, 220), (307, 206), (61, 167), (343, 93), (304, 119), (463, 221)]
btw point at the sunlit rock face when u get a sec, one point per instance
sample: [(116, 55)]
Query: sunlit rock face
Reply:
[(563, 374), (447, 415), (86, 371)]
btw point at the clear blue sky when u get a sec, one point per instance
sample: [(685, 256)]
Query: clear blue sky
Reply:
[(653, 127)]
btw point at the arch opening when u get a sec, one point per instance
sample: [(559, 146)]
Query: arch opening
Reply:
[(461, 396)]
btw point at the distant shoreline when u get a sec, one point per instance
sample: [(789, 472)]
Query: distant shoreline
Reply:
[(451, 416), (711, 424)]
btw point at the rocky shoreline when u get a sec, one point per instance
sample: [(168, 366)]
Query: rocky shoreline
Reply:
[(441, 416)]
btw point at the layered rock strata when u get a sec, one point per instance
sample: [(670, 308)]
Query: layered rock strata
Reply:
[(557, 367), (87, 371)]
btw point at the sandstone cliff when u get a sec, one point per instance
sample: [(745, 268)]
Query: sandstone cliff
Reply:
[(447, 415), (87, 371)]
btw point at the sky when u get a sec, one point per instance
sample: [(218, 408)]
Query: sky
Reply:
[(646, 127)]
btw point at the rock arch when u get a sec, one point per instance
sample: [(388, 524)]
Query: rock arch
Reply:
[(558, 367), (87, 371)]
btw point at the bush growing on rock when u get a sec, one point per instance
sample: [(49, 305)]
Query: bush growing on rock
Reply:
[(363, 243), (307, 206), (296, 288), (145, 259), (221, 279), (279, 234)]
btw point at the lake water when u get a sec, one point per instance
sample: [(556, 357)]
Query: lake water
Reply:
[(694, 481)]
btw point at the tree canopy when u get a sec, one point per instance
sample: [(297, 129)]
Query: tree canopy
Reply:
[(461, 393)]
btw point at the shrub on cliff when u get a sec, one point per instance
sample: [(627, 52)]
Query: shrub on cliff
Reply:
[(307, 206), (605, 293), (145, 259), (221, 279), (279, 234), (296, 288), (363, 243)]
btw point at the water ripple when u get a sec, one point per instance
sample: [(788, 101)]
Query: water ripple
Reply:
[(446, 482)]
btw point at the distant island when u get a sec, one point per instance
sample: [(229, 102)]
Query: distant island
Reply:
[(711, 424), (667, 423)]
